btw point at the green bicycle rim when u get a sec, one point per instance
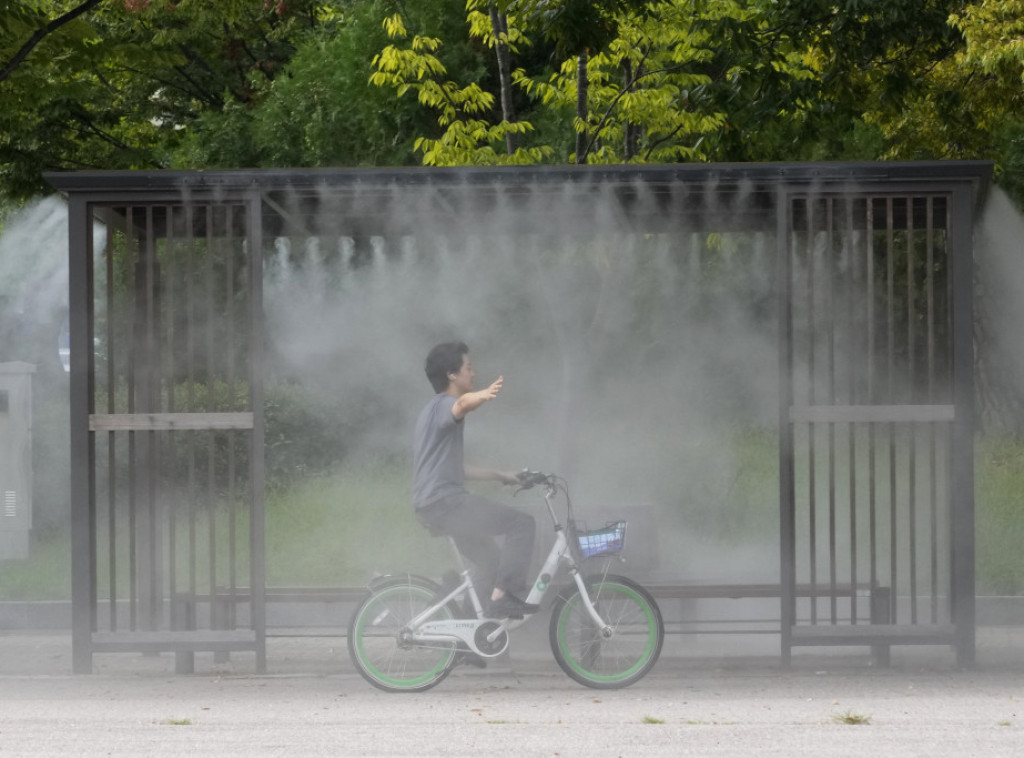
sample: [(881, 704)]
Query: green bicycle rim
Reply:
[(429, 676), (632, 669)]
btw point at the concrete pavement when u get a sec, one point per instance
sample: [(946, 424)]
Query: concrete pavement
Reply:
[(702, 699)]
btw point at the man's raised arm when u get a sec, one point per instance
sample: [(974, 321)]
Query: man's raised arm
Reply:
[(470, 401)]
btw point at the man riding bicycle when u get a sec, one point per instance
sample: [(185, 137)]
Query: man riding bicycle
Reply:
[(439, 494)]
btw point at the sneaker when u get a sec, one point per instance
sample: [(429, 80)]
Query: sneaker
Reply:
[(508, 606)]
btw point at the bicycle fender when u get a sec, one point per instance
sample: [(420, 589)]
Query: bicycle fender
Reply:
[(380, 581)]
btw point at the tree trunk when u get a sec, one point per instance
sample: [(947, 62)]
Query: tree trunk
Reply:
[(499, 25), (632, 132), (582, 85)]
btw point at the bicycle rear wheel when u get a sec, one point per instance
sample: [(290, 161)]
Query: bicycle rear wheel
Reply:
[(629, 649), (378, 644)]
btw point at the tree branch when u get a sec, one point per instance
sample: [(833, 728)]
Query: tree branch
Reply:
[(40, 34), (626, 88)]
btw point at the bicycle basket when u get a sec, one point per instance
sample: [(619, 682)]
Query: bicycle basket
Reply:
[(608, 540)]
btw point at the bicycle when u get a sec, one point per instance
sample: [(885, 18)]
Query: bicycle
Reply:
[(606, 631)]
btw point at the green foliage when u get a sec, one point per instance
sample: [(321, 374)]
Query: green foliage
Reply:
[(991, 68), (999, 508), (993, 32), (53, 103), (467, 137), (344, 122), (640, 90), (675, 80), (1009, 141), (191, 84), (119, 86), (643, 91), (305, 435)]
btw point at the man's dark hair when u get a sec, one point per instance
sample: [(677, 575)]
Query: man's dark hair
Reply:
[(444, 359)]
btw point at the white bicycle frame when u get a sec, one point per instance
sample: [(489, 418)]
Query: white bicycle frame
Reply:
[(465, 631)]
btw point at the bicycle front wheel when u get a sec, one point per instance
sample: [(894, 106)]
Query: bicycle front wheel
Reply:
[(378, 641), (621, 654)]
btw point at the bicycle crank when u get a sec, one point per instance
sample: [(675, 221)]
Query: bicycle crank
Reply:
[(491, 647)]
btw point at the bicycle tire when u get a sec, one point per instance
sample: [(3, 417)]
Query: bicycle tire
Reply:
[(375, 644), (637, 633)]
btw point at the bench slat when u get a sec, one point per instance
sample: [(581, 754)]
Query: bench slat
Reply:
[(874, 634), (166, 641)]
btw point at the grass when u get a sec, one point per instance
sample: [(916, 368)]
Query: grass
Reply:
[(999, 511), (653, 720), (338, 530), (46, 575), (179, 722), (851, 719), (342, 529)]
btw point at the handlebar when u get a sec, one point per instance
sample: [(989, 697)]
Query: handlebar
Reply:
[(552, 483), (528, 479)]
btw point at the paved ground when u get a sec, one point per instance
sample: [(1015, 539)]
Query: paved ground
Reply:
[(700, 700)]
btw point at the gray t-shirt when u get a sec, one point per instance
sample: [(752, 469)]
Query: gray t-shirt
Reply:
[(437, 463)]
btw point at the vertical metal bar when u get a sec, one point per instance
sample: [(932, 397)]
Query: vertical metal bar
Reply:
[(962, 453), (257, 534), (170, 303), (229, 277), (131, 253), (852, 336), (932, 427), (211, 491), (890, 384), (112, 318), (830, 326), (80, 327), (811, 428), (787, 496), (154, 553), (871, 390), (912, 435), (190, 394)]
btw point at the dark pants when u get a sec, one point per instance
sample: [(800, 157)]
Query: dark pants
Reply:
[(474, 521)]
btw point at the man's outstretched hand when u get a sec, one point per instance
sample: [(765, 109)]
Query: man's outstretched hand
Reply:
[(473, 400), (492, 391)]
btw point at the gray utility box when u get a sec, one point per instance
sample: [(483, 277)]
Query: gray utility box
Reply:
[(15, 459)]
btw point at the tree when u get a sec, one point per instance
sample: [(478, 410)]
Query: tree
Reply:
[(644, 100), (145, 84), (627, 85), (20, 15), (578, 29), (992, 63), (117, 86), (344, 120), (468, 136)]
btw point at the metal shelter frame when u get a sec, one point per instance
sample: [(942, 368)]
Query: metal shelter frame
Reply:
[(861, 249)]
